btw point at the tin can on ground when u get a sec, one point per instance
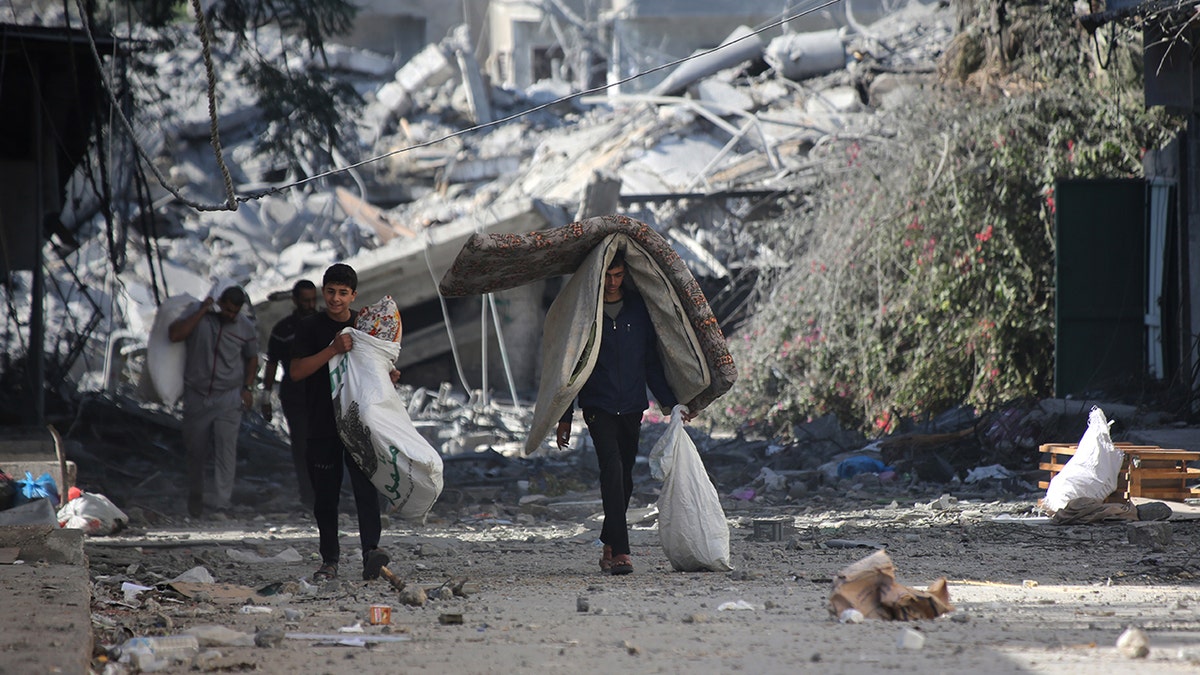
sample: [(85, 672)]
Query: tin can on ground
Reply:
[(381, 614)]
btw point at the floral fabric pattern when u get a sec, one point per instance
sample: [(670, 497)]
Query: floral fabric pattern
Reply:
[(495, 262)]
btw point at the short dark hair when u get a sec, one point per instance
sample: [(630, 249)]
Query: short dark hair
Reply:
[(618, 260), (302, 285), (341, 273), (234, 295)]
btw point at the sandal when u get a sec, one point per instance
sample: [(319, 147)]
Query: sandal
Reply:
[(621, 564), (326, 572), (606, 560)]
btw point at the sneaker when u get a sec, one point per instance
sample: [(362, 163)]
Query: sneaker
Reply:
[(326, 572), (606, 560), (374, 561), (621, 564)]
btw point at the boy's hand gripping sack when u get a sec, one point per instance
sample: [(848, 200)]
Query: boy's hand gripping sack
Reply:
[(374, 423), (691, 523)]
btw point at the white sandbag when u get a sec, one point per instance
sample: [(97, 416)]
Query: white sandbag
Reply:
[(1092, 471), (691, 523), (165, 360), (374, 424), (93, 513)]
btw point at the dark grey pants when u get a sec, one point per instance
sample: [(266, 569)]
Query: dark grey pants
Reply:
[(616, 440)]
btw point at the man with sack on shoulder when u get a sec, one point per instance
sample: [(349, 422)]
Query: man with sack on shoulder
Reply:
[(218, 378), (613, 400)]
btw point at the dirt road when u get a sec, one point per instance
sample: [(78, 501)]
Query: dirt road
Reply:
[(1029, 598)]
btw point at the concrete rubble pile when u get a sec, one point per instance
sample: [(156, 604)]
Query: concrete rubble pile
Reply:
[(756, 119)]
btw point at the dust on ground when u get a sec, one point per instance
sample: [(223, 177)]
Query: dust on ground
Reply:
[(511, 582)]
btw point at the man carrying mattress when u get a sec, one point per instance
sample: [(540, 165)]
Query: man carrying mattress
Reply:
[(218, 378), (613, 400)]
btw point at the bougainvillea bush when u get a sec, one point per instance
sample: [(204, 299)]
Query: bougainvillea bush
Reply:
[(927, 279)]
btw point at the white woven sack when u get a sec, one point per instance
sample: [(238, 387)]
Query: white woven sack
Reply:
[(1092, 471), (374, 424)]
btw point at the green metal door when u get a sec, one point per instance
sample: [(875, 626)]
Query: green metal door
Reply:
[(1100, 241)]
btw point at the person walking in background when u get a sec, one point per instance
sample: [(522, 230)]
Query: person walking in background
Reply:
[(291, 393), (219, 373), (613, 400), (318, 339)]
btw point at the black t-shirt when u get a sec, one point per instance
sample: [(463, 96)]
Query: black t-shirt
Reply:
[(314, 333), (279, 349)]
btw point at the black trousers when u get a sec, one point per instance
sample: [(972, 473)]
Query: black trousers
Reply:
[(327, 459), (616, 440), (297, 420)]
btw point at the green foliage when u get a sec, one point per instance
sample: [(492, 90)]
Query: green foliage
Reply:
[(306, 113), (931, 282)]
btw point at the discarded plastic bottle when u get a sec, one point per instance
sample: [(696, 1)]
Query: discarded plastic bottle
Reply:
[(149, 654)]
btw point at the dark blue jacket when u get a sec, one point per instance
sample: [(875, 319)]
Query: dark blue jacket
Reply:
[(628, 361)]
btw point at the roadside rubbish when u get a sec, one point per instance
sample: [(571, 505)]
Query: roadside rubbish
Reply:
[(870, 586), (773, 529), (196, 575), (357, 641), (288, 555), (910, 639), (1134, 643), (853, 466), (93, 513), (213, 635), (380, 615), (736, 606), (851, 616), (1092, 471), (151, 654), (132, 590), (31, 489)]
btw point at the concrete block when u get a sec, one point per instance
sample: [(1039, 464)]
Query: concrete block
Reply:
[(1155, 536), (430, 68)]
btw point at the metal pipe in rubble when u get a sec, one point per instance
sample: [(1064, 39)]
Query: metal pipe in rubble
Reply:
[(512, 385)]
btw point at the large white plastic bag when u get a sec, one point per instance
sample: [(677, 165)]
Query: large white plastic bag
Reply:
[(1092, 471), (93, 513), (691, 523), (374, 424)]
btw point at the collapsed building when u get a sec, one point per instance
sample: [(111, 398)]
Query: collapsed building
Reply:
[(708, 145)]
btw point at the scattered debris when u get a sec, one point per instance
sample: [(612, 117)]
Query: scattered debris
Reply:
[(869, 586), (1134, 643)]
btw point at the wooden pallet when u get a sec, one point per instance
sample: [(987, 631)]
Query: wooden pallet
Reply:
[(1148, 471)]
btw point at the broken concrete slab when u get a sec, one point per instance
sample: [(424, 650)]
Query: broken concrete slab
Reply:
[(1155, 536)]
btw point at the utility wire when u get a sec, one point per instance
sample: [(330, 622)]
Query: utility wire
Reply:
[(523, 113)]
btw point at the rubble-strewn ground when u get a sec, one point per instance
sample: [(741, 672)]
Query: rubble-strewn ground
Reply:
[(1030, 597)]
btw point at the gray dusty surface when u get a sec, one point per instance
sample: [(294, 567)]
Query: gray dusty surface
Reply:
[(1030, 598)]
